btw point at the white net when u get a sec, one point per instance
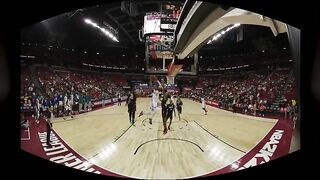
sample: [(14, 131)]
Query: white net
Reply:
[(170, 79)]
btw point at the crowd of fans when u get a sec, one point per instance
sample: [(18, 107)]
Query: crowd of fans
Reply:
[(254, 93), (46, 87)]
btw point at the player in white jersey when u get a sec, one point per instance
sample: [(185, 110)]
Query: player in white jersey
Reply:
[(155, 98), (153, 106), (203, 105), (68, 108)]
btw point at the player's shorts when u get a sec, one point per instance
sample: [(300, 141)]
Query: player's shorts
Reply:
[(164, 112), (154, 105), (75, 107), (169, 116), (131, 110), (67, 108), (179, 109)]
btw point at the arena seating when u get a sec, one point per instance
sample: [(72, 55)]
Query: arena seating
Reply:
[(49, 82), (270, 89)]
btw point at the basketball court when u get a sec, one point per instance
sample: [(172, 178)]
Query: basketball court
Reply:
[(103, 141), (197, 144)]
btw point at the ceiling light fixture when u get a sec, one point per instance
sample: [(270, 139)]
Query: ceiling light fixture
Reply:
[(219, 34), (106, 32)]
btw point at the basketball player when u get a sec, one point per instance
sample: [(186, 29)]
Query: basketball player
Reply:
[(131, 101), (170, 108), (179, 106), (153, 106), (164, 98), (68, 108), (203, 105)]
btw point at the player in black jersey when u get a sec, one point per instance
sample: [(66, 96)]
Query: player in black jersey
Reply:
[(131, 101), (163, 99), (170, 108), (179, 106)]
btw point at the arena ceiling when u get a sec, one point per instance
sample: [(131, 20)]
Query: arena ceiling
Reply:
[(69, 30)]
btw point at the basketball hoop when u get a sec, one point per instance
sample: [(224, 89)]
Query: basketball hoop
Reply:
[(174, 69), (170, 79)]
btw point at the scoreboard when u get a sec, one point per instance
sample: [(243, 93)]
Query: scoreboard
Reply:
[(162, 22), (158, 33), (170, 15), (171, 10), (152, 21)]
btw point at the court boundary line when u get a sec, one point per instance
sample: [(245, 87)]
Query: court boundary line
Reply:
[(81, 115), (88, 159), (126, 176), (144, 121), (249, 117), (28, 138), (243, 155), (123, 133), (159, 139), (218, 138)]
